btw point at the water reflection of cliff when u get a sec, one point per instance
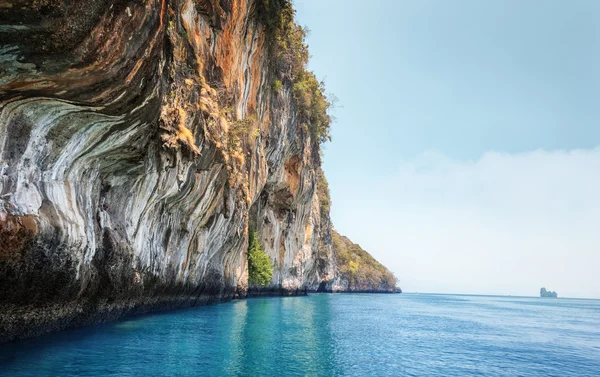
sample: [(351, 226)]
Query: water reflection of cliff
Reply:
[(255, 337), (291, 331)]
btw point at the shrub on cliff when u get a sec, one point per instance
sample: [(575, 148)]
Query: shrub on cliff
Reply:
[(312, 103), (289, 58), (260, 269), (323, 193)]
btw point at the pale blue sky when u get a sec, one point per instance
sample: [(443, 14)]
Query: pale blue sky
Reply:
[(440, 88)]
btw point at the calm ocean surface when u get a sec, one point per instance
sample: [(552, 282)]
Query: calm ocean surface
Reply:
[(324, 335)]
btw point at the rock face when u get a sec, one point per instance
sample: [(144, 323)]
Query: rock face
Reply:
[(358, 271), (545, 293), (139, 141)]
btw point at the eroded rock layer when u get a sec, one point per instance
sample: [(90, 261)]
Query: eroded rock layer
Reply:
[(139, 140)]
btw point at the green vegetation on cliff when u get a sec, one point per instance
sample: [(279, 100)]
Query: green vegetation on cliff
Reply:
[(260, 269), (359, 268), (289, 57), (323, 193)]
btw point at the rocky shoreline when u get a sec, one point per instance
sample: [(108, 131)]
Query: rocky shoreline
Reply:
[(25, 322)]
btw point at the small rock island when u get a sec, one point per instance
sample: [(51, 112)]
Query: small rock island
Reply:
[(545, 293)]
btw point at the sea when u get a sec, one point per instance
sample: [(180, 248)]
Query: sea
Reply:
[(330, 335)]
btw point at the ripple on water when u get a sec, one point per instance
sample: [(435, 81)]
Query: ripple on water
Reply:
[(331, 335)]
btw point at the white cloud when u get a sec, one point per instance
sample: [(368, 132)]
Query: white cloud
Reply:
[(504, 224)]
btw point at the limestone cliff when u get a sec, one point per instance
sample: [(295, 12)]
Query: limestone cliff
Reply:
[(139, 141)]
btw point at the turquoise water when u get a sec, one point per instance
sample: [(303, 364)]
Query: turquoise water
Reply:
[(324, 335)]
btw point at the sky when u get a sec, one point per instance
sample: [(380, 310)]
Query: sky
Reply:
[(466, 147)]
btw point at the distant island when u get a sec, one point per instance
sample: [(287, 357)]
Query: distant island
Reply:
[(545, 293)]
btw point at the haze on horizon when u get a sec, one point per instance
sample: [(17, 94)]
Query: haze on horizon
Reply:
[(466, 152)]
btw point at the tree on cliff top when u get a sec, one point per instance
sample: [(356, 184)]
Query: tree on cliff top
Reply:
[(260, 269)]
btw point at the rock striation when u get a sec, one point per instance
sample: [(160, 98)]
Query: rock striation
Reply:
[(139, 142)]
